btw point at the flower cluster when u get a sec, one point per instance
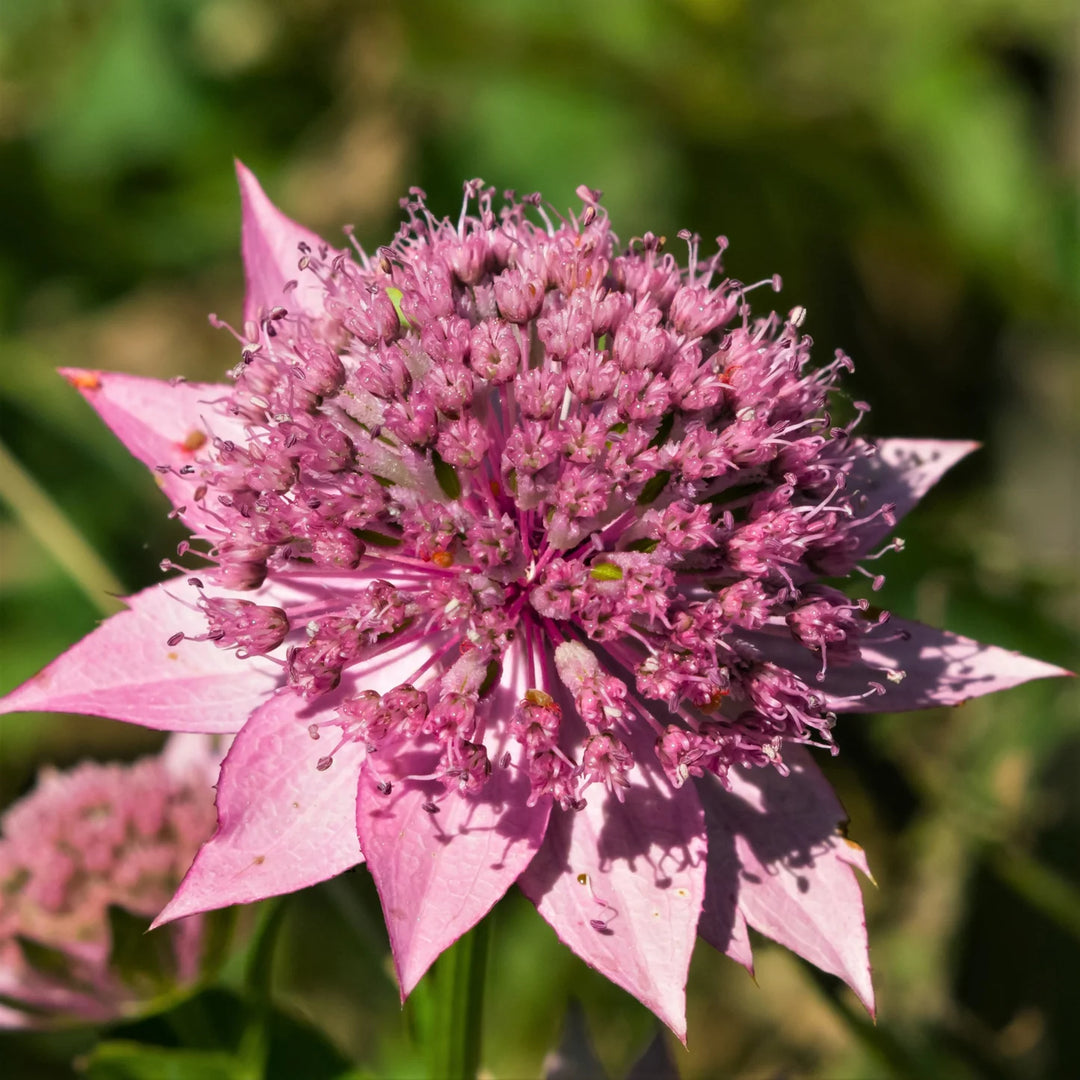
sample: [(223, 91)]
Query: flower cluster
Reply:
[(509, 557), (519, 438), (84, 842)]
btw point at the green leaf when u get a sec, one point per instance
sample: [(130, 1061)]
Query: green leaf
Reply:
[(122, 1060)]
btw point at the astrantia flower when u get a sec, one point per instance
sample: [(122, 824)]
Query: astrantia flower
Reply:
[(83, 842), (506, 565)]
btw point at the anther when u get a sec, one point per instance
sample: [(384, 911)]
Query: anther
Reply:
[(324, 763)]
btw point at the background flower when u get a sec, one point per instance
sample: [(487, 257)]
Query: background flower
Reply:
[(82, 857)]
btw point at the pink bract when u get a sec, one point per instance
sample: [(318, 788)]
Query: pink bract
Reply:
[(506, 565)]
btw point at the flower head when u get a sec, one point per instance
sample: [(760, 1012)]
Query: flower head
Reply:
[(507, 560), (85, 842)]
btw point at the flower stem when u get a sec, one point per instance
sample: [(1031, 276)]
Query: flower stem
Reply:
[(47, 524), (459, 980)]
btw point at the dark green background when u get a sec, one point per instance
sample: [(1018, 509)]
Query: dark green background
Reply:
[(911, 171)]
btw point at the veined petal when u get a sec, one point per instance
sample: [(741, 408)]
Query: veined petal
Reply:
[(917, 666), (722, 923), (161, 424), (900, 474), (794, 877), (282, 823), (438, 874), (270, 245), (939, 668), (622, 884), (126, 670)]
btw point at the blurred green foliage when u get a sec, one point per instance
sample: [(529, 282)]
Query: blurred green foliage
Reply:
[(912, 171)]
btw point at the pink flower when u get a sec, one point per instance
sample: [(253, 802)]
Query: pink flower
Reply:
[(82, 842), (507, 549)]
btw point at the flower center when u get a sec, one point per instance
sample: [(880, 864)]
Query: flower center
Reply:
[(582, 475)]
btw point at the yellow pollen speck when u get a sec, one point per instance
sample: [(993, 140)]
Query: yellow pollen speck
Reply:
[(194, 440), (296, 806), (583, 879), (684, 893), (172, 656), (258, 860)]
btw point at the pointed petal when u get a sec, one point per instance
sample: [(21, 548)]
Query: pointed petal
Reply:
[(940, 668), (918, 666), (271, 253), (796, 882), (440, 874), (622, 884), (125, 670), (722, 923), (282, 824), (937, 669), (161, 424), (900, 474)]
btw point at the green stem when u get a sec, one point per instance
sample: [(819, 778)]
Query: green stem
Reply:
[(254, 1048), (45, 521), (459, 979)]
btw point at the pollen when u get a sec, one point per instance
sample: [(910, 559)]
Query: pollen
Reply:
[(194, 440), (84, 380)]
